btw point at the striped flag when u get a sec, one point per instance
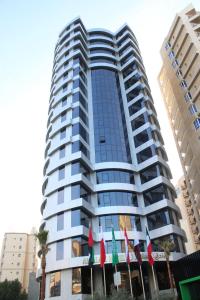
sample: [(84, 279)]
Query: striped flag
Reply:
[(149, 248), (115, 258), (102, 250), (137, 251), (126, 246), (90, 247)]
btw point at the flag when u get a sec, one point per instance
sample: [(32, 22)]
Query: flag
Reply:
[(126, 246), (90, 247), (137, 251), (149, 248), (115, 259), (102, 250)]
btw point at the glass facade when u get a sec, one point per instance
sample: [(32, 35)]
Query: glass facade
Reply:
[(109, 132), (159, 219), (107, 176), (119, 222), (55, 284), (117, 198)]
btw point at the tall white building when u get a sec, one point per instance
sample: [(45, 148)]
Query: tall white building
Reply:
[(105, 163)]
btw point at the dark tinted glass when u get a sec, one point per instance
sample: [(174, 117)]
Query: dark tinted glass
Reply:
[(111, 141), (138, 122), (151, 173), (79, 97), (117, 199), (135, 107), (160, 219), (78, 218), (79, 129), (78, 167), (156, 194), (78, 112), (78, 146), (142, 137), (100, 50), (144, 155), (114, 176)]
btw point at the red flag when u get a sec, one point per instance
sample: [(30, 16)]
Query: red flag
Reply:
[(102, 253), (102, 250), (149, 248), (90, 238), (126, 246), (90, 247)]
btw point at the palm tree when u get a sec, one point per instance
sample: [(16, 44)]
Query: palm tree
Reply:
[(167, 246), (42, 238)]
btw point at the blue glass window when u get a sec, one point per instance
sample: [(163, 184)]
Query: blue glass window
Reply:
[(111, 138), (197, 123), (60, 196), (61, 173), (78, 146), (115, 176), (118, 198), (62, 133), (192, 109), (59, 250), (60, 221), (78, 218), (62, 152)]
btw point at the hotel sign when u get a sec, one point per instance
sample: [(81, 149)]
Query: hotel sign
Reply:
[(158, 256)]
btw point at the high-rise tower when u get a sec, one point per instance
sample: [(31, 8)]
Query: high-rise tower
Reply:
[(105, 161), (179, 81)]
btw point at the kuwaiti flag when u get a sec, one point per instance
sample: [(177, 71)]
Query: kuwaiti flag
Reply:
[(137, 251), (126, 246), (90, 247), (102, 250), (149, 248)]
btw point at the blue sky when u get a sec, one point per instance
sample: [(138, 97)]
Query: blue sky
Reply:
[(29, 31)]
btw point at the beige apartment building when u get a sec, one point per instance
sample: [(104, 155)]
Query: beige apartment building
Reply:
[(179, 81), (18, 257), (188, 221)]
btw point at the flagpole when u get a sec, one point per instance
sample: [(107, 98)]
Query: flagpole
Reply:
[(116, 272), (142, 283), (154, 280), (104, 279), (92, 283), (129, 272)]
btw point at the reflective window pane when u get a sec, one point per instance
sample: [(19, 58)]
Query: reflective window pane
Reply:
[(55, 284), (60, 250)]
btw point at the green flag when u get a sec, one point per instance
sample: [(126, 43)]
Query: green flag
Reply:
[(115, 259)]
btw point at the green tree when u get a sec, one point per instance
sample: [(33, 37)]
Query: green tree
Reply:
[(42, 238), (12, 290)]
